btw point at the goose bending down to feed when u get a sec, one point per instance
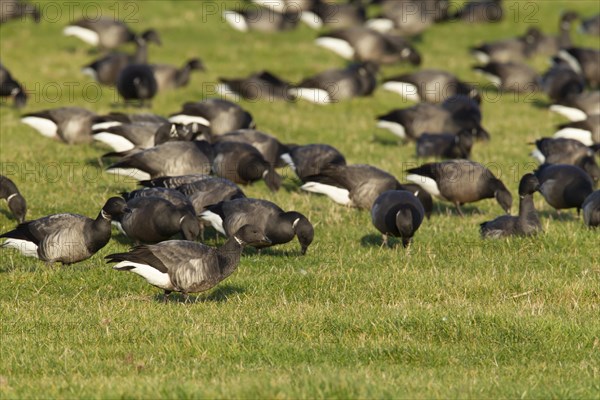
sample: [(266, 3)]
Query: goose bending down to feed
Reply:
[(397, 213), (510, 76), (445, 145), (591, 209), (106, 33), (335, 85), (526, 223), (567, 151), (584, 61), (210, 191), (309, 160), (586, 131), (262, 85), (564, 186), (461, 182), (9, 87), (187, 267), (279, 226), (66, 238), (221, 116), (72, 125), (170, 77), (560, 82), (269, 147), (506, 50), (15, 200), (429, 85)]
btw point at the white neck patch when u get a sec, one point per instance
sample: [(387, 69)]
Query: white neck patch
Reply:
[(295, 223), (105, 215), (9, 198), (239, 241)]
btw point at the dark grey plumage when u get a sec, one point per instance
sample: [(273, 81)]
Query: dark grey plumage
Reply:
[(397, 213), (262, 85), (136, 83), (175, 197), (578, 106), (584, 61), (309, 160), (445, 145), (9, 87), (170, 77), (564, 186), (526, 223), (335, 15), (568, 151), (66, 238), (211, 190), (430, 85), (511, 76), (586, 131), (548, 44), (173, 182), (268, 145), (72, 125), (478, 11), (460, 182), (221, 116), (591, 209), (104, 32), (561, 82), (262, 19), (506, 50), (187, 267), (15, 200)]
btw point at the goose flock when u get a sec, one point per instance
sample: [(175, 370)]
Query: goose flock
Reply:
[(191, 161)]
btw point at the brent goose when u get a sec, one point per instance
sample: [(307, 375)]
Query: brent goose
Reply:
[(461, 182), (262, 85), (586, 131), (567, 151), (284, 5), (187, 267), (550, 45), (175, 197), (173, 182), (591, 25), (170, 77), (338, 15), (15, 200), (278, 225), (430, 85), (585, 62), (17, 9), (526, 223), (561, 82), (510, 76), (220, 115), (261, 19), (268, 145), (66, 238), (408, 17), (309, 160), (9, 87), (72, 125), (104, 32), (116, 118), (591, 209), (564, 186), (506, 50), (136, 84), (397, 213), (445, 145), (208, 191), (578, 106)]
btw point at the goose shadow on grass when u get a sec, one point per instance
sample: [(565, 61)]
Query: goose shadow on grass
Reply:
[(376, 240), (218, 295), (564, 215)]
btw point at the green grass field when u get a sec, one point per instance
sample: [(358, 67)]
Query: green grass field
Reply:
[(452, 317)]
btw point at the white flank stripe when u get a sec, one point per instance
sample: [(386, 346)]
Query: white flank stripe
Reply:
[(382, 25), (117, 142), (572, 113), (151, 274), (288, 160), (105, 125), (226, 91), (91, 72), (572, 61), (86, 35), (236, 20), (44, 126), (214, 219), (393, 127), (132, 173), (338, 46), (404, 89), (481, 57), (311, 19), (582, 135), (27, 248), (339, 195), (188, 119), (426, 183), (317, 96)]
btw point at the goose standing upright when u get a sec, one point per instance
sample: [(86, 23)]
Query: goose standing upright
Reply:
[(16, 202)]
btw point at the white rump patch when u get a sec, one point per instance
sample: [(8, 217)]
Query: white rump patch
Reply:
[(214, 219), (311, 19), (317, 96), (188, 119), (43, 125), (91, 72), (339, 195), (426, 183), (151, 274), (393, 127), (338, 46), (286, 158), (117, 142), (105, 125), (226, 91), (87, 35), (572, 113), (581, 135), (27, 248), (537, 154), (132, 173), (404, 89), (382, 25), (481, 56), (236, 20)]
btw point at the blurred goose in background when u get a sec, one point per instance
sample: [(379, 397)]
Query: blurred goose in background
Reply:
[(187, 267), (429, 85), (209, 191), (117, 118), (561, 82), (66, 238), (278, 225), (309, 160), (17, 9), (586, 131), (506, 50), (364, 44), (585, 62), (526, 223), (15, 200), (476, 11), (550, 45), (445, 145), (9, 87), (269, 147), (591, 26), (460, 182), (286, 5), (510, 76), (171, 158), (261, 19), (221, 116), (136, 84), (335, 85), (337, 15), (104, 32), (564, 186), (578, 106), (409, 17), (567, 151), (170, 77), (397, 213), (262, 85), (72, 125), (591, 209)]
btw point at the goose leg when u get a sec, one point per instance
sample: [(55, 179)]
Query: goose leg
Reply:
[(385, 241), (166, 296), (457, 205)]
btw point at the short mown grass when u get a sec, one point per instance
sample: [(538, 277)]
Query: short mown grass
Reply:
[(452, 316)]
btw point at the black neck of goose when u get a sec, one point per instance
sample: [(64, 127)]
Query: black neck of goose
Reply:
[(229, 256), (564, 37), (99, 235), (141, 53), (250, 169), (182, 76), (527, 212)]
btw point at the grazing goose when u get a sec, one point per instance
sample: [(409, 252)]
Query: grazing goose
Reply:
[(506, 50), (155, 219), (170, 77), (187, 267), (445, 145), (136, 83), (262, 85), (242, 163), (17, 9), (261, 19), (173, 196), (170, 158), (308, 161), (364, 44), (591, 209), (72, 125), (106, 33), (476, 11), (279, 226), (591, 26), (586, 131), (106, 69), (510, 76), (550, 45), (337, 15), (564, 186), (114, 119), (429, 85), (9, 87), (208, 191), (270, 148), (335, 85), (526, 223), (578, 106), (397, 213), (461, 182), (15, 200), (221, 116), (567, 151), (561, 82), (585, 62), (408, 17), (65, 238)]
